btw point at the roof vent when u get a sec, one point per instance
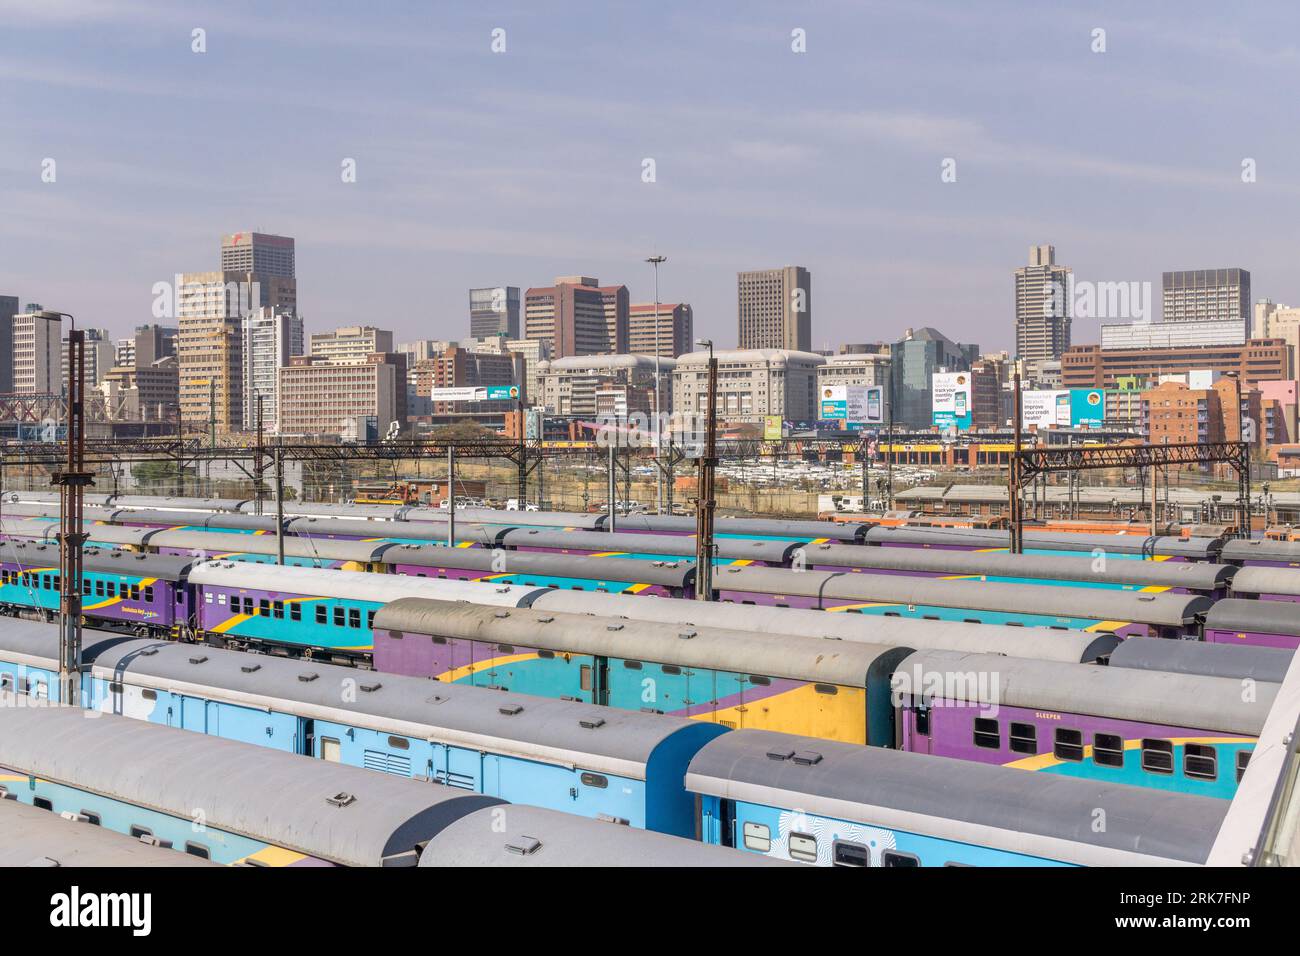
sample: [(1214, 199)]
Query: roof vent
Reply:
[(341, 799), (511, 710), (617, 821), (807, 758), (782, 754), (148, 651), (501, 614), (250, 668), (545, 620), (1146, 597), (503, 589), (198, 659), (686, 635), (732, 570), (524, 846), (613, 627), (591, 723), (371, 687), (308, 676)]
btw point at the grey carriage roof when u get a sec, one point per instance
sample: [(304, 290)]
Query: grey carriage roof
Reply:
[(12, 496), (354, 585), (533, 836), (558, 732), (771, 655), (810, 530), (1089, 603), (1073, 646), (1044, 814), (1198, 548), (265, 794), (165, 567), (211, 543), (177, 503), (119, 535), (519, 519), (669, 573), (674, 545), (1266, 580), (430, 530), (32, 837), (1199, 576), (1260, 549), (200, 519), (1201, 657), (1242, 614), (30, 528), (1152, 697), (317, 509)]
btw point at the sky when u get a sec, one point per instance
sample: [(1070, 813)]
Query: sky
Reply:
[(482, 168)]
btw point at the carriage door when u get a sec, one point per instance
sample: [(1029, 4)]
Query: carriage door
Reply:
[(918, 717)]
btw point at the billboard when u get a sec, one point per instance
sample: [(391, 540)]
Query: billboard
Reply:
[(1087, 407), (771, 427), (860, 404), (950, 400), (475, 393), (1038, 408)]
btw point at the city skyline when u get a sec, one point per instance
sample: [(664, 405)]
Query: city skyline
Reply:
[(748, 175)]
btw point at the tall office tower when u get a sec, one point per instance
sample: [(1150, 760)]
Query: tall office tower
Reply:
[(775, 309), (271, 338), (351, 345), (8, 309), (494, 312), (38, 366), (423, 349), (257, 252), (100, 356), (913, 362), (615, 301), (673, 333), (1043, 310), (571, 317), (151, 343), (1207, 295)]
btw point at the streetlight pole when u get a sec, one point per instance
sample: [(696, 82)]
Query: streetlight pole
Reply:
[(656, 261), (704, 503), (72, 481)]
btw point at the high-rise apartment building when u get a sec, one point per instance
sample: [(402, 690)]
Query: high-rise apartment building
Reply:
[(351, 344), (577, 316), (259, 253), (775, 309), (1207, 295), (270, 339), (1043, 309), (8, 309), (672, 331), (494, 311), (38, 364)]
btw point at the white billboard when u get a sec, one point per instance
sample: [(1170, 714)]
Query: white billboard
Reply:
[(950, 396), (1039, 408), (863, 404)]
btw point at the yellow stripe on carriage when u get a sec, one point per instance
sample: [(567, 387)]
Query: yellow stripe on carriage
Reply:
[(460, 673), (275, 856), (802, 710)]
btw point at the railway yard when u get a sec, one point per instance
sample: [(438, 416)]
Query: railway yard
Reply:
[(845, 694)]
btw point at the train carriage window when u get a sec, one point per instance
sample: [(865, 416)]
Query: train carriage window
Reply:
[(148, 593), (354, 617), (58, 582), (1243, 760), (921, 721), (199, 850), (1023, 738), (111, 588), (277, 610), (1108, 750), (91, 817), (339, 617), (1201, 762), (138, 831), (43, 803), (295, 612), (803, 846), (263, 606), (632, 665), (829, 689), (760, 681), (99, 588), (1157, 756), (595, 780), (670, 669), (398, 743), (896, 859), (849, 854), (988, 733), (86, 586), (321, 614), (370, 620), (757, 836), (135, 592), (1068, 744)]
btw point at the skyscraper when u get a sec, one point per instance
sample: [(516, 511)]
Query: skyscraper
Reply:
[(258, 252), (8, 309), (1042, 307), (271, 337), (912, 366), (1207, 295), (673, 333), (775, 309), (494, 312), (38, 365), (577, 316)]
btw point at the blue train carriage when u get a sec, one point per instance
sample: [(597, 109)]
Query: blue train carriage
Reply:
[(468, 534), (524, 836), (122, 591), (568, 756), (1123, 547), (1187, 733), (808, 685), (830, 803), (34, 837), (313, 613), (649, 547), (215, 799)]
